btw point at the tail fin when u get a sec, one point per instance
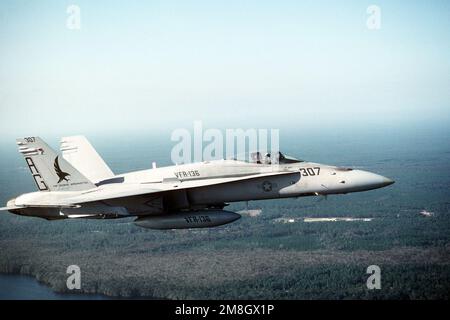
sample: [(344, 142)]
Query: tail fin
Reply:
[(50, 171), (79, 153)]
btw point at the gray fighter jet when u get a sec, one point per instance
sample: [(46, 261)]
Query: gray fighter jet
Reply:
[(80, 185)]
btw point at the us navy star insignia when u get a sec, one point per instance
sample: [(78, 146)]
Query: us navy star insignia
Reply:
[(267, 186)]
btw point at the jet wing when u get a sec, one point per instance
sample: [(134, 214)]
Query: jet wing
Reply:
[(9, 208), (34, 205), (114, 191)]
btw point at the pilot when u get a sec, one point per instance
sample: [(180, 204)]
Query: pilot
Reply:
[(267, 159)]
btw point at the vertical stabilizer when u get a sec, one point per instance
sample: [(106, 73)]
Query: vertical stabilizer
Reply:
[(50, 171), (79, 153)]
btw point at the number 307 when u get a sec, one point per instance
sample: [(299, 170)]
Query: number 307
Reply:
[(310, 171)]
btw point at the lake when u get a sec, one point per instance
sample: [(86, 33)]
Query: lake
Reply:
[(19, 287)]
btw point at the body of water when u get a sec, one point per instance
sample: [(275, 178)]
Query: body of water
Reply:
[(19, 287)]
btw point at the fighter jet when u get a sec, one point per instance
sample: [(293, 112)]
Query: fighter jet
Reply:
[(80, 185)]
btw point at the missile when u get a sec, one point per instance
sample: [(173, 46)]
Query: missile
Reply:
[(186, 220)]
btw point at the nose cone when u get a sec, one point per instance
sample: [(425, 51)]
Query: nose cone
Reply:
[(364, 180), (387, 182)]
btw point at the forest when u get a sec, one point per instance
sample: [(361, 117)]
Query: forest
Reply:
[(260, 256), (253, 258)]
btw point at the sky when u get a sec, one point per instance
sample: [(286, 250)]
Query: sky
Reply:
[(139, 66)]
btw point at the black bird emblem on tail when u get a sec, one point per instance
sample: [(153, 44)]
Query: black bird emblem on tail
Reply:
[(61, 174)]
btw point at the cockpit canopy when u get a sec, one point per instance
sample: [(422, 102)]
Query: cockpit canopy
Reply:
[(266, 158)]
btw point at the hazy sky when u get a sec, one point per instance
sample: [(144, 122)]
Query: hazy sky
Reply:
[(139, 65)]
